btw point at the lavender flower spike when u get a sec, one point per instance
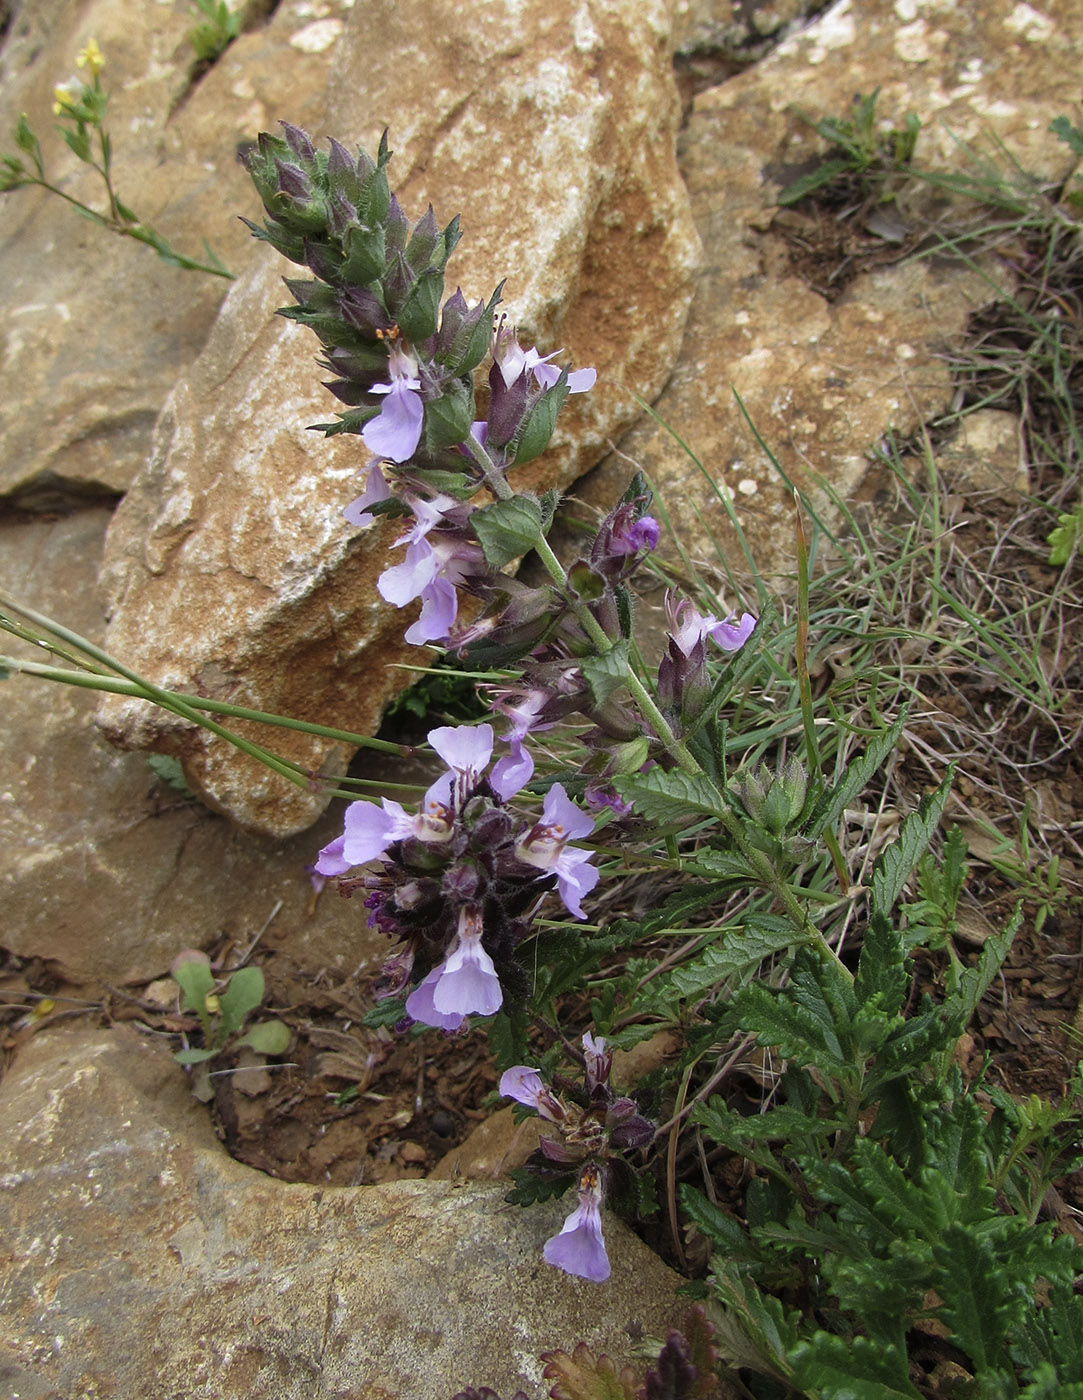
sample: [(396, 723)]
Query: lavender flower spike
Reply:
[(579, 1248)]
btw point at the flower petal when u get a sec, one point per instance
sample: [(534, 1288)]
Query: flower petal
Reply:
[(579, 1248), (376, 489), (731, 635), (331, 861), (466, 748), (404, 582), (396, 430), (419, 1005), (522, 1084)]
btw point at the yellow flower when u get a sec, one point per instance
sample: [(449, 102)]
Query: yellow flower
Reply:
[(63, 99), (90, 56)]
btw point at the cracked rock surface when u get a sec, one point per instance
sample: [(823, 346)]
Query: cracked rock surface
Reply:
[(143, 1262)]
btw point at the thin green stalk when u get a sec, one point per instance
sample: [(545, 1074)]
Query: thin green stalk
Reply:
[(166, 700), (94, 680), (589, 623)]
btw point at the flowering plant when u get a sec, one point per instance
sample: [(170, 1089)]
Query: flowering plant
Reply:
[(878, 1189), (80, 106)]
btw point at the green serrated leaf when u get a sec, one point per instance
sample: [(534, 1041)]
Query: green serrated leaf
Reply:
[(805, 1036), (881, 968), (739, 948), (897, 862), (836, 1368), (976, 981), (980, 1302), (507, 1037), (607, 673), (755, 1329), (857, 776), (531, 1187), (1050, 1339), (508, 529), (666, 797), (747, 1135)]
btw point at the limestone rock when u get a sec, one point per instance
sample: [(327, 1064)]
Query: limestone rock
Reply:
[(104, 871), (823, 380), (552, 130), (142, 1261), (988, 454), (97, 328)]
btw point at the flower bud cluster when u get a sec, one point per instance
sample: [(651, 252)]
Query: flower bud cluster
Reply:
[(775, 802), (595, 1126)]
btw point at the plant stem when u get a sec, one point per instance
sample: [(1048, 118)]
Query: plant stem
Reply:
[(93, 680)]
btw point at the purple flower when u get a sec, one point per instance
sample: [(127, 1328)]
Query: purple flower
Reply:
[(687, 626), (431, 571), (511, 774), (525, 1086), (376, 489), (466, 749), (513, 361), (465, 983), (396, 430), (598, 1059), (546, 847), (369, 830), (579, 1248), (640, 534), (420, 1006)]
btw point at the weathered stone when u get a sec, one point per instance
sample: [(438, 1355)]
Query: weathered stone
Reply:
[(987, 452), (733, 33), (822, 381), (553, 133), (97, 327), (105, 872), (142, 1261)]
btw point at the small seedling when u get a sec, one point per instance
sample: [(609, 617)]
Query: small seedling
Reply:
[(860, 148), (217, 28), (1067, 539), (223, 1013)]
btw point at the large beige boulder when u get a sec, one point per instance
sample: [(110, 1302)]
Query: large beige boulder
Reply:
[(96, 328), (142, 1261), (106, 873), (229, 567), (824, 377)]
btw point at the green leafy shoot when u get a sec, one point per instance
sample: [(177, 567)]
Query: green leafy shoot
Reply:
[(217, 28), (80, 106), (862, 150), (222, 1013)]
